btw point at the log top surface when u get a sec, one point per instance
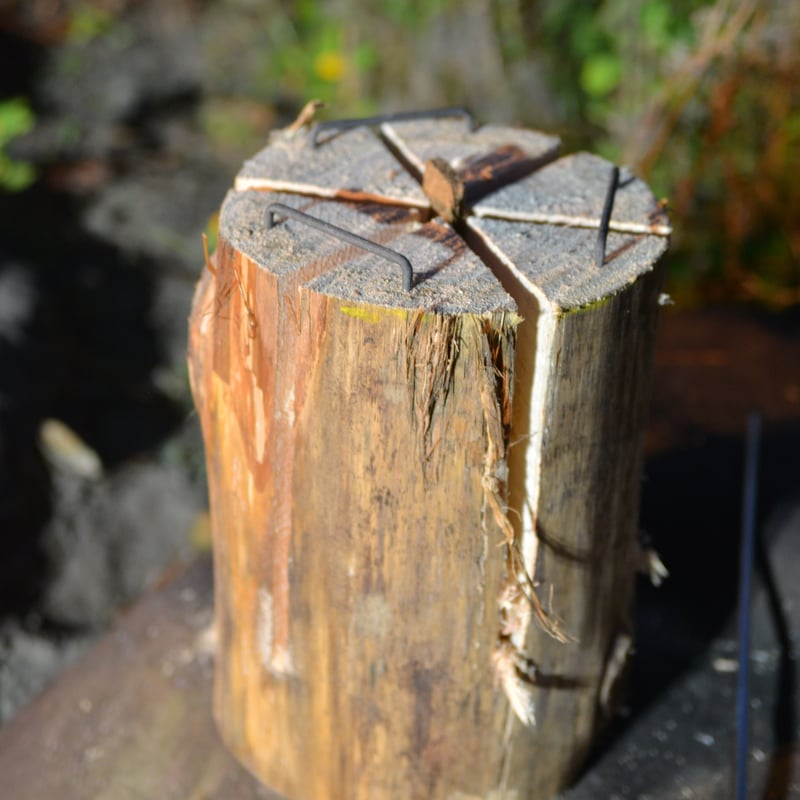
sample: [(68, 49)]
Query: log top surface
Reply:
[(352, 163), (453, 140), (522, 211), (560, 260), (574, 187), (453, 279), (449, 277), (291, 244)]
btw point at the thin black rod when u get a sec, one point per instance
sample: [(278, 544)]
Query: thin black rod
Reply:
[(399, 116), (345, 236), (745, 594), (605, 220)]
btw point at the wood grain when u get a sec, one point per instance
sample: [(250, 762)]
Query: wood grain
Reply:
[(424, 502), (352, 165), (472, 152), (571, 192), (579, 403), (364, 446)]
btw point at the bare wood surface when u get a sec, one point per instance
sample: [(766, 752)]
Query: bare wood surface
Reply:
[(571, 191), (424, 502), (350, 165), (132, 720), (481, 160), (387, 412), (574, 485), (559, 261), (470, 151), (578, 422), (445, 188)]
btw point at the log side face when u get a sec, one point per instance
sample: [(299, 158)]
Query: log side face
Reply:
[(219, 339), (396, 564), (586, 524), (361, 623), (244, 320)]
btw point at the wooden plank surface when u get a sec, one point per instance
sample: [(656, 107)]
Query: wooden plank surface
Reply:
[(132, 720)]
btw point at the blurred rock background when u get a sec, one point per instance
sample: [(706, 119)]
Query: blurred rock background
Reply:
[(122, 124)]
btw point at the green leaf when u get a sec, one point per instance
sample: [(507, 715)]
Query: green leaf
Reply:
[(16, 119), (365, 56)]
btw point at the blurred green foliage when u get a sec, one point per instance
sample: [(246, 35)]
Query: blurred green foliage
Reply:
[(698, 96), (313, 56), (88, 21), (16, 119)]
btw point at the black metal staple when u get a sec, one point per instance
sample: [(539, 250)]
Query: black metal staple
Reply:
[(400, 116), (345, 236), (605, 220)]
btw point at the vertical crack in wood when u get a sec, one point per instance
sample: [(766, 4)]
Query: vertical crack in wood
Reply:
[(394, 145), (432, 347), (534, 337), (518, 602), (496, 390)]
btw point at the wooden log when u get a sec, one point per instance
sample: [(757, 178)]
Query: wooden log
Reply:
[(424, 502)]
